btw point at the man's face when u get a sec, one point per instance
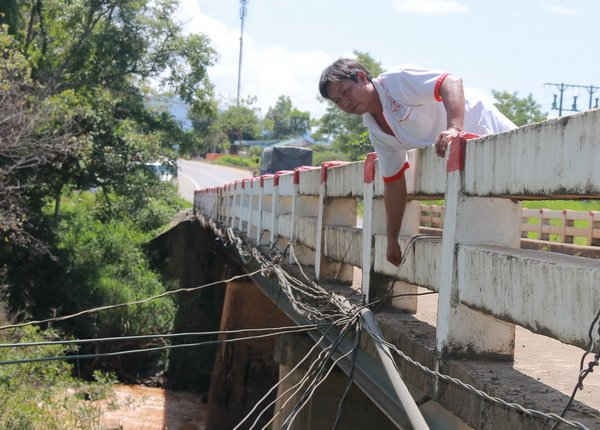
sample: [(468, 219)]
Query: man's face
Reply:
[(350, 96)]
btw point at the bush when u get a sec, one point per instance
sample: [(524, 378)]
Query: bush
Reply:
[(98, 260), (107, 266), (44, 395)]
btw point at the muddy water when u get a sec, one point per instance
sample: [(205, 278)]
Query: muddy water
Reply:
[(135, 407)]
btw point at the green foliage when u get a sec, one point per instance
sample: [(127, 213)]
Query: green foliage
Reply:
[(373, 66), (283, 120), (323, 153), (237, 161), (347, 132), (44, 395), (575, 205), (521, 111), (239, 122), (76, 75), (106, 265), (98, 260), (255, 151)]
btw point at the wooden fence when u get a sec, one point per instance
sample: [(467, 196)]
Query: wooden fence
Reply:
[(565, 226)]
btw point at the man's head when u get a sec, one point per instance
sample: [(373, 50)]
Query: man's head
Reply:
[(348, 84)]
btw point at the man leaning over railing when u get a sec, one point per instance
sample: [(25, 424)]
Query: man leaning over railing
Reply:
[(404, 109)]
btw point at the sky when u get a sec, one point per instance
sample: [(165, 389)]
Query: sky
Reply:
[(512, 45)]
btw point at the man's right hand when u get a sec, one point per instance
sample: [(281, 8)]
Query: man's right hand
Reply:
[(394, 253)]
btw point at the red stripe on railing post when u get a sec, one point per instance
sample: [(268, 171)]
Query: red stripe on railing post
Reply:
[(299, 169), (369, 168), (456, 158), (262, 179), (327, 165), (278, 174)]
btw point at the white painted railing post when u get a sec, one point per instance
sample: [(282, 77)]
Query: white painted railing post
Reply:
[(250, 192), (259, 220), (230, 197), (471, 221), (228, 204), (243, 204), (213, 202), (236, 206), (294, 216), (275, 210), (320, 216), (219, 191), (367, 225)]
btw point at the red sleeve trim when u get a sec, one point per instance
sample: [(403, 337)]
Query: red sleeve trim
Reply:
[(438, 85), (398, 175)]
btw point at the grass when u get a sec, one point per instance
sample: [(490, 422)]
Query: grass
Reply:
[(249, 163)]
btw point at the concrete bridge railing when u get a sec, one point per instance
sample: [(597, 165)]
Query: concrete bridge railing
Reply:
[(486, 283)]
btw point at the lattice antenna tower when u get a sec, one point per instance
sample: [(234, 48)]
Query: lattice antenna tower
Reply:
[(243, 4)]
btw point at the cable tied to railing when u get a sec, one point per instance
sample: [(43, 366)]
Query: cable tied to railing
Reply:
[(584, 372), (295, 289), (497, 400)]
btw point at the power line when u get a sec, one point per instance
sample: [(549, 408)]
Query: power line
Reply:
[(557, 102), (149, 336), (157, 348), (134, 302)]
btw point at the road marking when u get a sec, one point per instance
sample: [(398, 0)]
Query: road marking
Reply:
[(194, 183)]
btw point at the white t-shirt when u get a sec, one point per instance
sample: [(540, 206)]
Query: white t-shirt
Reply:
[(413, 108)]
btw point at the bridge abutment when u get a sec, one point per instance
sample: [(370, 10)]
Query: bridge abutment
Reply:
[(243, 371)]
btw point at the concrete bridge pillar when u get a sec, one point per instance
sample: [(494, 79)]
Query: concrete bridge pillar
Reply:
[(243, 371), (358, 411)]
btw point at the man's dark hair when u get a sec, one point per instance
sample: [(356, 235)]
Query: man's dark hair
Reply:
[(344, 68)]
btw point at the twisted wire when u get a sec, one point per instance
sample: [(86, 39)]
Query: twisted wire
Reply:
[(343, 306)]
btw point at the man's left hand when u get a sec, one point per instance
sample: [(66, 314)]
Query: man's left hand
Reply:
[(445, 138)]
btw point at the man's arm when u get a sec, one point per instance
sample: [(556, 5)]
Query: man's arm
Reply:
[(453, 97), (394, 196)]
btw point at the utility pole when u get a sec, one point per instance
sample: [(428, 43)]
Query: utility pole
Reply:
[(242, 19), (591, 89)]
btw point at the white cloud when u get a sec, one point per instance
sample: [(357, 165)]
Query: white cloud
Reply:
[(267, 71), (430, 7), (557, 8)]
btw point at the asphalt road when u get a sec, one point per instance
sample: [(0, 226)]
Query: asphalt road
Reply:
[(194, 175)]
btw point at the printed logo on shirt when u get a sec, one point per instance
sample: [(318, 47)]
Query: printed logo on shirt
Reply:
[(401, 112)]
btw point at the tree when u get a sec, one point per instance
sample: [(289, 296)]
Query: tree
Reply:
[(521, 111), (73, 82), (94, 61), (239, 123), (33, 142), (283, 120), (346, 131)]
